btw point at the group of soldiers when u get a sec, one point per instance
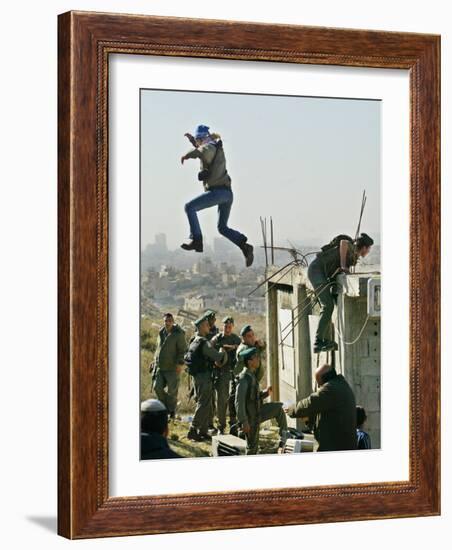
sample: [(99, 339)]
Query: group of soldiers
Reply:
[(226, 369), (225, 372)]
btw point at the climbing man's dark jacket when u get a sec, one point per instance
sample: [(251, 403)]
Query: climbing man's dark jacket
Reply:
[(333, 407)]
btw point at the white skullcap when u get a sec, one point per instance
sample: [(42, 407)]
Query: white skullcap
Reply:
[(152, 405)]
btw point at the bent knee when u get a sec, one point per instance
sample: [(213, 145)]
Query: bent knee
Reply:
[(222, 229)]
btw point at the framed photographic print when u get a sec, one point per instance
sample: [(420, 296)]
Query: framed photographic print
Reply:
[(248, 274)]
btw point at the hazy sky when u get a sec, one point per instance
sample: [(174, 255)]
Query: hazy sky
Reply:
[(303, 161)]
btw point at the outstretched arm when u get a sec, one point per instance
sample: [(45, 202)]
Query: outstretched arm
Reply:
[(317, 402), (191, 139), (192, 154), (343, 250)]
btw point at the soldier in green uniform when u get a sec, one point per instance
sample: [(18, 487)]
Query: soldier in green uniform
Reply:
[(249, 340), (251, 410), (228, 341), (210, 315), (200, 359), (336, 257), (168, 363)]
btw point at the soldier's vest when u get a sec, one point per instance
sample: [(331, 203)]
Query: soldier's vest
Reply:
[(194, 357)]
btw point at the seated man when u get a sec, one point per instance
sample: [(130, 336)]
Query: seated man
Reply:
[(154, 431), (251, 411)]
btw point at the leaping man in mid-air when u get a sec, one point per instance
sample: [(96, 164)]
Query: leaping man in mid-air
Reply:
[(217, 192)]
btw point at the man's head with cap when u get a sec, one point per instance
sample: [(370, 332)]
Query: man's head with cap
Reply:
[(154, 417), (202, 325), (250, 357), (228, 324), (202, 132), (210, 315), (247, 335)]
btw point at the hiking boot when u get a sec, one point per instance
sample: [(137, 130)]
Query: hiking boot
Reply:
[(193, 435), (318, 346), (324, 345), (212, 431), (248, 252), (194, 244), (233, 430), (330, 345), (204, 437)]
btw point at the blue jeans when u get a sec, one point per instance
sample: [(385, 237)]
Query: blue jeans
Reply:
[(218, 196)]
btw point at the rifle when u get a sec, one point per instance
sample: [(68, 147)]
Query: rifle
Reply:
[(153, 372)]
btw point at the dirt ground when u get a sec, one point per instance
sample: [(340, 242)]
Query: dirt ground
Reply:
[(177, 439)]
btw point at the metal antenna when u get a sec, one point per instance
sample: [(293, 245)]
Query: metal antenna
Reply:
[(272, 242), (263, 240), (363, 204), (265, 232)]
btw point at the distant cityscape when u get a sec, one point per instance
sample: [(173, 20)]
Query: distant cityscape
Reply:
[(216, 279)]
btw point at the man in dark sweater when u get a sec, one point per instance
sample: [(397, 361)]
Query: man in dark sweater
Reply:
[(154, 431), (331, 410)]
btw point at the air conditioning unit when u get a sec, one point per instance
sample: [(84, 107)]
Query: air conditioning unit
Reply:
[(228, 445), (374, 297), (305, 445)]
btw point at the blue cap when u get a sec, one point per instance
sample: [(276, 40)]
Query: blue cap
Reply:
[(201, 131)]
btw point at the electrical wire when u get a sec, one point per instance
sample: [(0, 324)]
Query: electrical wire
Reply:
[(357, 338)]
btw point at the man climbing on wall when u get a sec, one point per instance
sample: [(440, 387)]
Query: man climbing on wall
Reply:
[(334, 258), (217, 192)]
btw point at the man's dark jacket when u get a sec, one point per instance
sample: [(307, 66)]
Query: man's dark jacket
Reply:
[(154, 445), (334, 408)]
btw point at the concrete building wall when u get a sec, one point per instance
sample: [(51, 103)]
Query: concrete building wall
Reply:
[(291, 365), (360, 362)]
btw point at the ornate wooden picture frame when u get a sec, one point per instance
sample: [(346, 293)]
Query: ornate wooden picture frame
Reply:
[(86, 41)]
